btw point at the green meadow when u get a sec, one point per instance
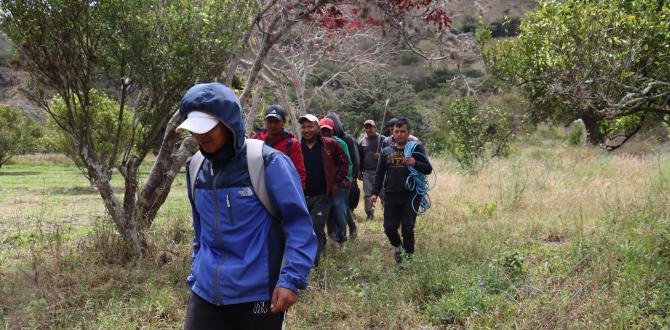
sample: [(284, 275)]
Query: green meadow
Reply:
[(551, 237)]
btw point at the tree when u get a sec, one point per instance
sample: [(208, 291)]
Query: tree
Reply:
[(150, 52), (19, 133), (153, 51), (604, 62)]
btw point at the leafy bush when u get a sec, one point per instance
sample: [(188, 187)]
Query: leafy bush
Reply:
[(577, 133), (472, 133), (103, 124), (19, 134)]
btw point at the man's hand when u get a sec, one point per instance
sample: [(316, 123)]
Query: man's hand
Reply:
[(410, 161), (282, 300), (373, 200)]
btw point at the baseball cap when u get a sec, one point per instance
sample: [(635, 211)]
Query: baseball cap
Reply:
[(198, 122), (311, 118), (276, 112), (327, 123), (370, 122)]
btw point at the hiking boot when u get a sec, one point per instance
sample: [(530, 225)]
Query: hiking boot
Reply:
[(398, 254), (340, 246)]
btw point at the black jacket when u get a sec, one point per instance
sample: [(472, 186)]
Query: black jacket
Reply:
[(392, 172)]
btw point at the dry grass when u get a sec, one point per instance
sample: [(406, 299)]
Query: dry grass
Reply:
[(549, 238)]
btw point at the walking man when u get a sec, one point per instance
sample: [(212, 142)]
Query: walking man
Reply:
[(369, 148), (400, 204), (275, 135), (238, 279), (326, 166)]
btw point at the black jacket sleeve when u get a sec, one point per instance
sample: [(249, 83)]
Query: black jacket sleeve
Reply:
[(422, 163), (380, 173)]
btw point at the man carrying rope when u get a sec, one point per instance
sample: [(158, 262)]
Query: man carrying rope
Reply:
[(398, 169)]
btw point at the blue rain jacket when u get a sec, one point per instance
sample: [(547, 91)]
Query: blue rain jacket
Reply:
[(238, 247)]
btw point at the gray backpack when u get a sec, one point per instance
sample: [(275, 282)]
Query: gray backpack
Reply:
[(256, 165)]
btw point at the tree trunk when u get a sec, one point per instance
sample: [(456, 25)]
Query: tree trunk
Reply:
[(591, 124)]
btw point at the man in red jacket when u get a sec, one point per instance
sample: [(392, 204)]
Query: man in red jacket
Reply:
[(327, 167), (279, 138)]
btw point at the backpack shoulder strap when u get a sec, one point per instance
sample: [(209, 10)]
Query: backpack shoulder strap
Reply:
[(288, 147), (256, 165), (193, 169)]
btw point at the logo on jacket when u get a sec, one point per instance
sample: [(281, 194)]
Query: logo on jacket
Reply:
[(246, 192)]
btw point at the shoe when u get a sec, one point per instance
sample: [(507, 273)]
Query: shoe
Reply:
[(398, 254), (353, 234), (340, 246), (370, 216)]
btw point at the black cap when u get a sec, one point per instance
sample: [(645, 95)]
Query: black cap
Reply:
[(276, 111)]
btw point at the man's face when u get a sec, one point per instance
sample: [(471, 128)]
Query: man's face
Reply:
[(400, 134), (327, 132), (370, 130), (309, 130), (215, 139), (274, 125)]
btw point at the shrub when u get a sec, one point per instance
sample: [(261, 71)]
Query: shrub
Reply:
[(577, 133), (472, 133), (19, 134)]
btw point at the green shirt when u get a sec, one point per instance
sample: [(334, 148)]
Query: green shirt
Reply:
[(346, 151)]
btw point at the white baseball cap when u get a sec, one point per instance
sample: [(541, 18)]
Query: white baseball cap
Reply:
[(198, 122), (311, 118)]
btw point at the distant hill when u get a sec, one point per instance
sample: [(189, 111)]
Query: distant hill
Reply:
[(488, 10), (10, 82)]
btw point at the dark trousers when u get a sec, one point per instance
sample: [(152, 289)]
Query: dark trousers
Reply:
[(398, 212), (319, 207), (200, 314)]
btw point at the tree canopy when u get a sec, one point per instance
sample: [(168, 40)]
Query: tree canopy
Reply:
[(605, 62)]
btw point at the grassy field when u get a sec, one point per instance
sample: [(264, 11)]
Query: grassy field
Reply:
[(552, 237)]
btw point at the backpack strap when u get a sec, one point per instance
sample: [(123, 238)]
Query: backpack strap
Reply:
[(288, 147), (193, 169), (256, 165)]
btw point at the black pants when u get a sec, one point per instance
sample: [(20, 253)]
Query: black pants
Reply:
[(398, 212), (319, 207), (200, 314)]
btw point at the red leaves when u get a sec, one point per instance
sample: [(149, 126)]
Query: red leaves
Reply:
[(438, 17)]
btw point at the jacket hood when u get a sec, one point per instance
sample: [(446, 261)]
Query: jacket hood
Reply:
[(220, 101), (339, 128)]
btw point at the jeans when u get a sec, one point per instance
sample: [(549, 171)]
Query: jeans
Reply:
[(319, 207), (399, 213), (368, 182), (338, 215)]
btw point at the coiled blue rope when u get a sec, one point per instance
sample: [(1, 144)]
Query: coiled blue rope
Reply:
[(417, 182)]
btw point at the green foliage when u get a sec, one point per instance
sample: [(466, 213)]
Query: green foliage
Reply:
[(19, 133), (577, 59), (472, 133), (367, 100), (103, 123), (576, 134)]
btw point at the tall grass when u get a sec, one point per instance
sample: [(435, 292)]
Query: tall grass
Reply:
[(558, 237)]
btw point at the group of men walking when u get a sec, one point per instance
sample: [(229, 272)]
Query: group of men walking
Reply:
[(261, 216)]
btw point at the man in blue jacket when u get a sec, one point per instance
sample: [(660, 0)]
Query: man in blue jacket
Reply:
[(238, 279)]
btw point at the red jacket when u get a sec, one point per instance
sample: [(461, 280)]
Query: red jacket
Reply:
[(289, 145), (335, 165)]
